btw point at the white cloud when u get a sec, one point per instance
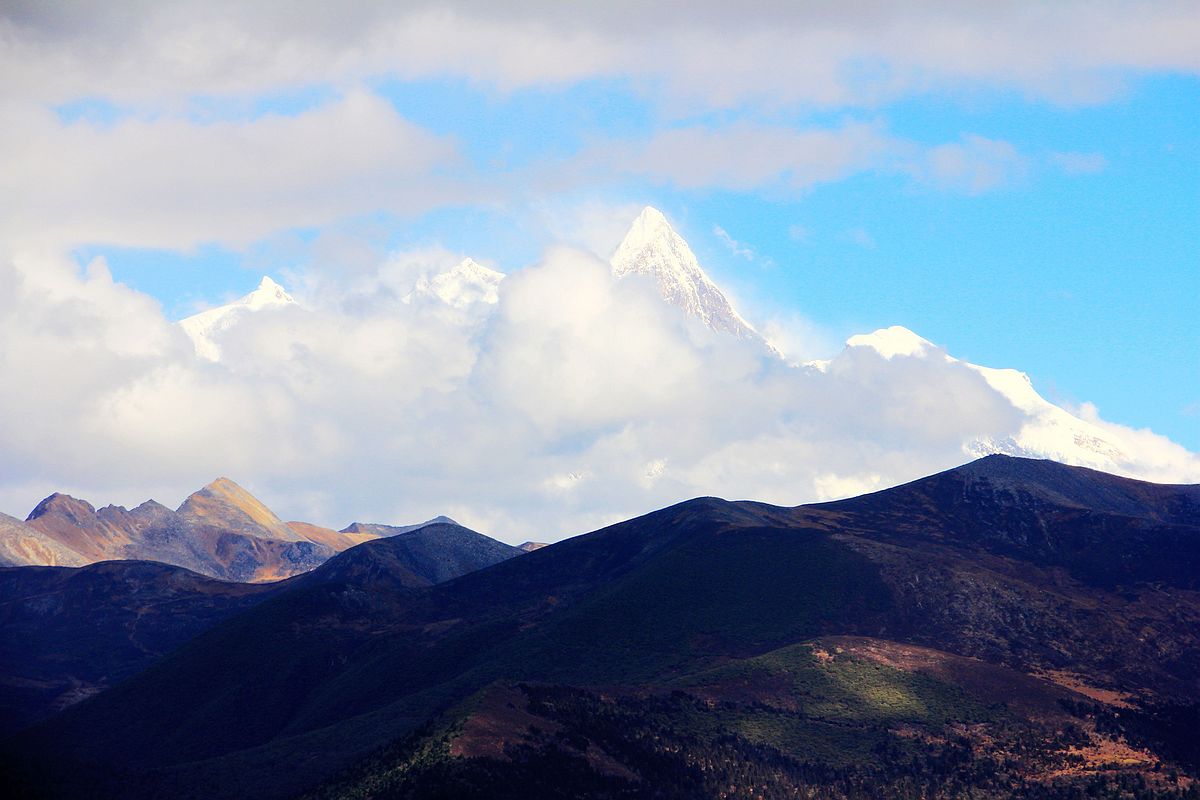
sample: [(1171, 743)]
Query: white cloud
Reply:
[(742, 156), (733, 245), (834, 487), (974, 165), (799, 338), (710, 52), (578, 401), (861, 237), (169, 182), (591, 224)]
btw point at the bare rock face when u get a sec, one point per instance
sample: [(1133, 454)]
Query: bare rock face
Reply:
[(21, 543), (75, 524), (226, 505), (221, 531)]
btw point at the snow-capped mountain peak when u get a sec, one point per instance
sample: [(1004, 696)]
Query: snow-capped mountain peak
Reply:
[(649, 227), (268, 293), (202, 327), (891, 342), (1047, 430), (463, 284), (654, 249)]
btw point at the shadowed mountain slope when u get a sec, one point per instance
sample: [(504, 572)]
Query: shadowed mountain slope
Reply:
[(1103, 529), (378, 530), (355, 655), (417, 555), (66, 634)]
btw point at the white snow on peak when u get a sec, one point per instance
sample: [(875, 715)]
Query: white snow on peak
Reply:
[(1047, 431), (653, 248), (891, 342), (202, 327), (462, 285), (1050, 431), (268, 293)]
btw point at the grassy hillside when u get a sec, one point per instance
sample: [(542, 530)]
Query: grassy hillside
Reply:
[(821, 719)]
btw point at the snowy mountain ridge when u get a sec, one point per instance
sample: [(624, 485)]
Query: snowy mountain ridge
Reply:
[(654, 250), (202, 327), (464, 284), (1048, 431)]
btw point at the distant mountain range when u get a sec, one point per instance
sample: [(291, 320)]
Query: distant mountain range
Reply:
[(653, 250), (221, 531), (1012, 628)]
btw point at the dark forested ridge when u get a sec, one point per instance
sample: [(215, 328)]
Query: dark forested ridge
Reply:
[(68, 633), (1007, 629)]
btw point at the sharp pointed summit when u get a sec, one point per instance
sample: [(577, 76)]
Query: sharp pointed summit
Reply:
[(268, 293), (654, 249), (228, 505), (202, 327)]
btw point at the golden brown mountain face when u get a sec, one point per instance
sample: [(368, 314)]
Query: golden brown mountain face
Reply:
[(221, 531), (21, 543), (224, 504), (75, 524), (334, 540)]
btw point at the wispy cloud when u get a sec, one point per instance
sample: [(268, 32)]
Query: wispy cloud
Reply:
[(741, 156), (859, 236), (733, 245), (976, 164), (174, 183), (712, 55), (1080, 163)]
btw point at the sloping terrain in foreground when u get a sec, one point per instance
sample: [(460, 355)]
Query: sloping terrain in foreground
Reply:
[(1010, 628), (66, 634)]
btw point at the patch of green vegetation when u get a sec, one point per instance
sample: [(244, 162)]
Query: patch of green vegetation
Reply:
[(847, 688), (679, 746)]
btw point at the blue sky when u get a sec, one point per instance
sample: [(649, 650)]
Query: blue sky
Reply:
[(1013, 182)]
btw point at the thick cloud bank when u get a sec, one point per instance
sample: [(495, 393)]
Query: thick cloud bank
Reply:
[(707, 52), (575, 400)]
